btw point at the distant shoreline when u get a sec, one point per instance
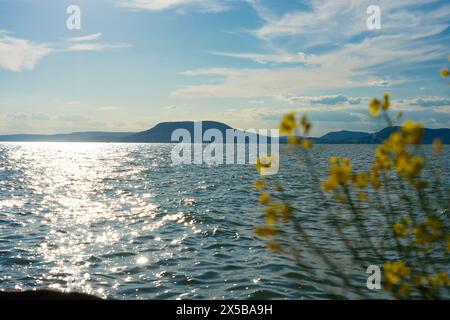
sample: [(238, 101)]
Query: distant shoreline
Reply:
[(162, 133)]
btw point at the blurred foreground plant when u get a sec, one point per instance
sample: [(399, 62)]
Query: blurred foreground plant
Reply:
[(397, 212)]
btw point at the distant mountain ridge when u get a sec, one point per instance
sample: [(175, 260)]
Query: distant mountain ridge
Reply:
[(162, 133), (358, 137)]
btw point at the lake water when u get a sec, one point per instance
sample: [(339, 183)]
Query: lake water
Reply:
[(119, 221)]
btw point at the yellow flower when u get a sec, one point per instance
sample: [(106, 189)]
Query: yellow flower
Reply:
[(440, 280), (362, 196), (334, 160), (264, 164), (374, 107), (386, 102), (307, 144), (260, 184), (396, 142), (342, 171), (428, 231), (437, 146), (271, 216), (266, 231), (409, 166), (382, 160), (331, 184), (306, 125), (293, 140), (278, 187), (275, 247), (404, 290), (342, 198), (361, 180), (413, 132), (285, 212), (400, 230), (395, 272), (445, 72), (375, 181), (265, 198), (288, 124), (340, 174)]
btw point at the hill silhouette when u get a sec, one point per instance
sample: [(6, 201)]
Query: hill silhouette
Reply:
[(162, 133)]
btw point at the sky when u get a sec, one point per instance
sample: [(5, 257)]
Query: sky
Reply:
[(135, 63)]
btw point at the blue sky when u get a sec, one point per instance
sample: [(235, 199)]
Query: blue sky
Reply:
[(135, 63)]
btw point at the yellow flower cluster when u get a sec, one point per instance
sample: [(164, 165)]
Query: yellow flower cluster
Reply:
[(402, 228), (274, 212), (289, 126), (264, 164), (412, 132), (439, 280), (445, 72), (412, 235), (428, 231), (340, 174), (394, 152), (396, 275), (376, 105), (425, 233)]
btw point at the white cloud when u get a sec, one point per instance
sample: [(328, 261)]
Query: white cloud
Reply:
[(267, 58), (19, 54), (255, 83), (378, 83), (425, 102), (338, 99), (89, 37), (95, 46), (373, 58), (88, 43), (340, 20), (159, 5)]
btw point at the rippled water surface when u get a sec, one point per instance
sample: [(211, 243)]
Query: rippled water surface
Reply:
[(119, 221)]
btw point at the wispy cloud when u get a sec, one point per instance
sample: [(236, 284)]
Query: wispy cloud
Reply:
[(90, 43), (159, 5), (89, 37), (263, 58), (20, 54), (382, 83), (426, 102), (338, 99), (326, 21), (96, 46), (350, 56)]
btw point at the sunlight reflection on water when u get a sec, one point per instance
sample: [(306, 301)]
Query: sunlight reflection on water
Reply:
[(118, 220)]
